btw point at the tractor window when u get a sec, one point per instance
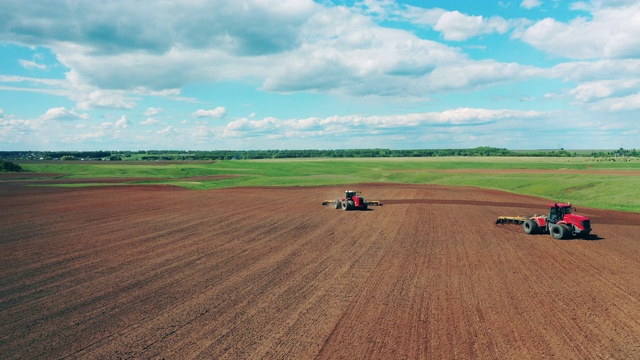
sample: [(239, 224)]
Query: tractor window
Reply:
[(557, 213)]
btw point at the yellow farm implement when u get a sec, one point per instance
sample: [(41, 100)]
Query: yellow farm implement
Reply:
[(510, 219)]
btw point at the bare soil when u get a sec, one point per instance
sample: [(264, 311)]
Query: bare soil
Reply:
[(163, 272)]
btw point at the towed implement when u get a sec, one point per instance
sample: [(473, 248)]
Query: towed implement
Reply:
[(352, 201), (560, 223)]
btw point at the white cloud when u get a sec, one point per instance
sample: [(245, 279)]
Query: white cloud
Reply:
[(584, 71), (152, 111), (36, 85), (62, 114), (370, 124), (615, 104), (352, 55), (29, 64), (122, 123), (380, 8), (612, 32), (421, 16), (169, 130), (458, 27), (218, 112), (595, 90), (474, 74), (606, 85), (530, 4), (104, 99), (202, 132), (150, 121), (454, 25)]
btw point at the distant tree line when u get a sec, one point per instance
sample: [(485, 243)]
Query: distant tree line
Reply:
[(176, 155)]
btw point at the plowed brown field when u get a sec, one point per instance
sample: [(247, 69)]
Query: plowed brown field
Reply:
[(162, 272)]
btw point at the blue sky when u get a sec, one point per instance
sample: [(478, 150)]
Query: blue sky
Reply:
[(301, 74)]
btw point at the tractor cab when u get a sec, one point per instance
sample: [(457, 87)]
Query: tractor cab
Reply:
[(350, 194), (353, 201), (557, 212)]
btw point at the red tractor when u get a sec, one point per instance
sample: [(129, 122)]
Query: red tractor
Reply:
[(560, 223), (352, 201)]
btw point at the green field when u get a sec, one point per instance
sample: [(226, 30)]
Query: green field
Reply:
[(612, 184)]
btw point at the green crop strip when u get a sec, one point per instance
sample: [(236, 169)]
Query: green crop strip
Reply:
[(583, 181)]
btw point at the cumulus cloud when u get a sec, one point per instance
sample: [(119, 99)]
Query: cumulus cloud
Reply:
[(62, 114), (122, 123), (202, 133), (352, 55), (530, 4), (612, 32), (595, 90), (152, 111), (421, 16), (104, 99), (169, 130), (218, 112), (458, 27), (150, 121), (584, 71), (615, 104), (474, 74)]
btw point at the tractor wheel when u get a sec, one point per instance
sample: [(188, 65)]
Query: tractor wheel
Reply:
[(530, 226), (351, 205), (345, 205), (558, 232), (338, 204)]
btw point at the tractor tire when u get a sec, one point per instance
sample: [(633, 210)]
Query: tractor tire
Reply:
[(530, 227), (351, 205), (345, 206), (338, 204), (558, 232)]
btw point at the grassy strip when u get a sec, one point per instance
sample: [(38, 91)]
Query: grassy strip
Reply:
[(606, 185)]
